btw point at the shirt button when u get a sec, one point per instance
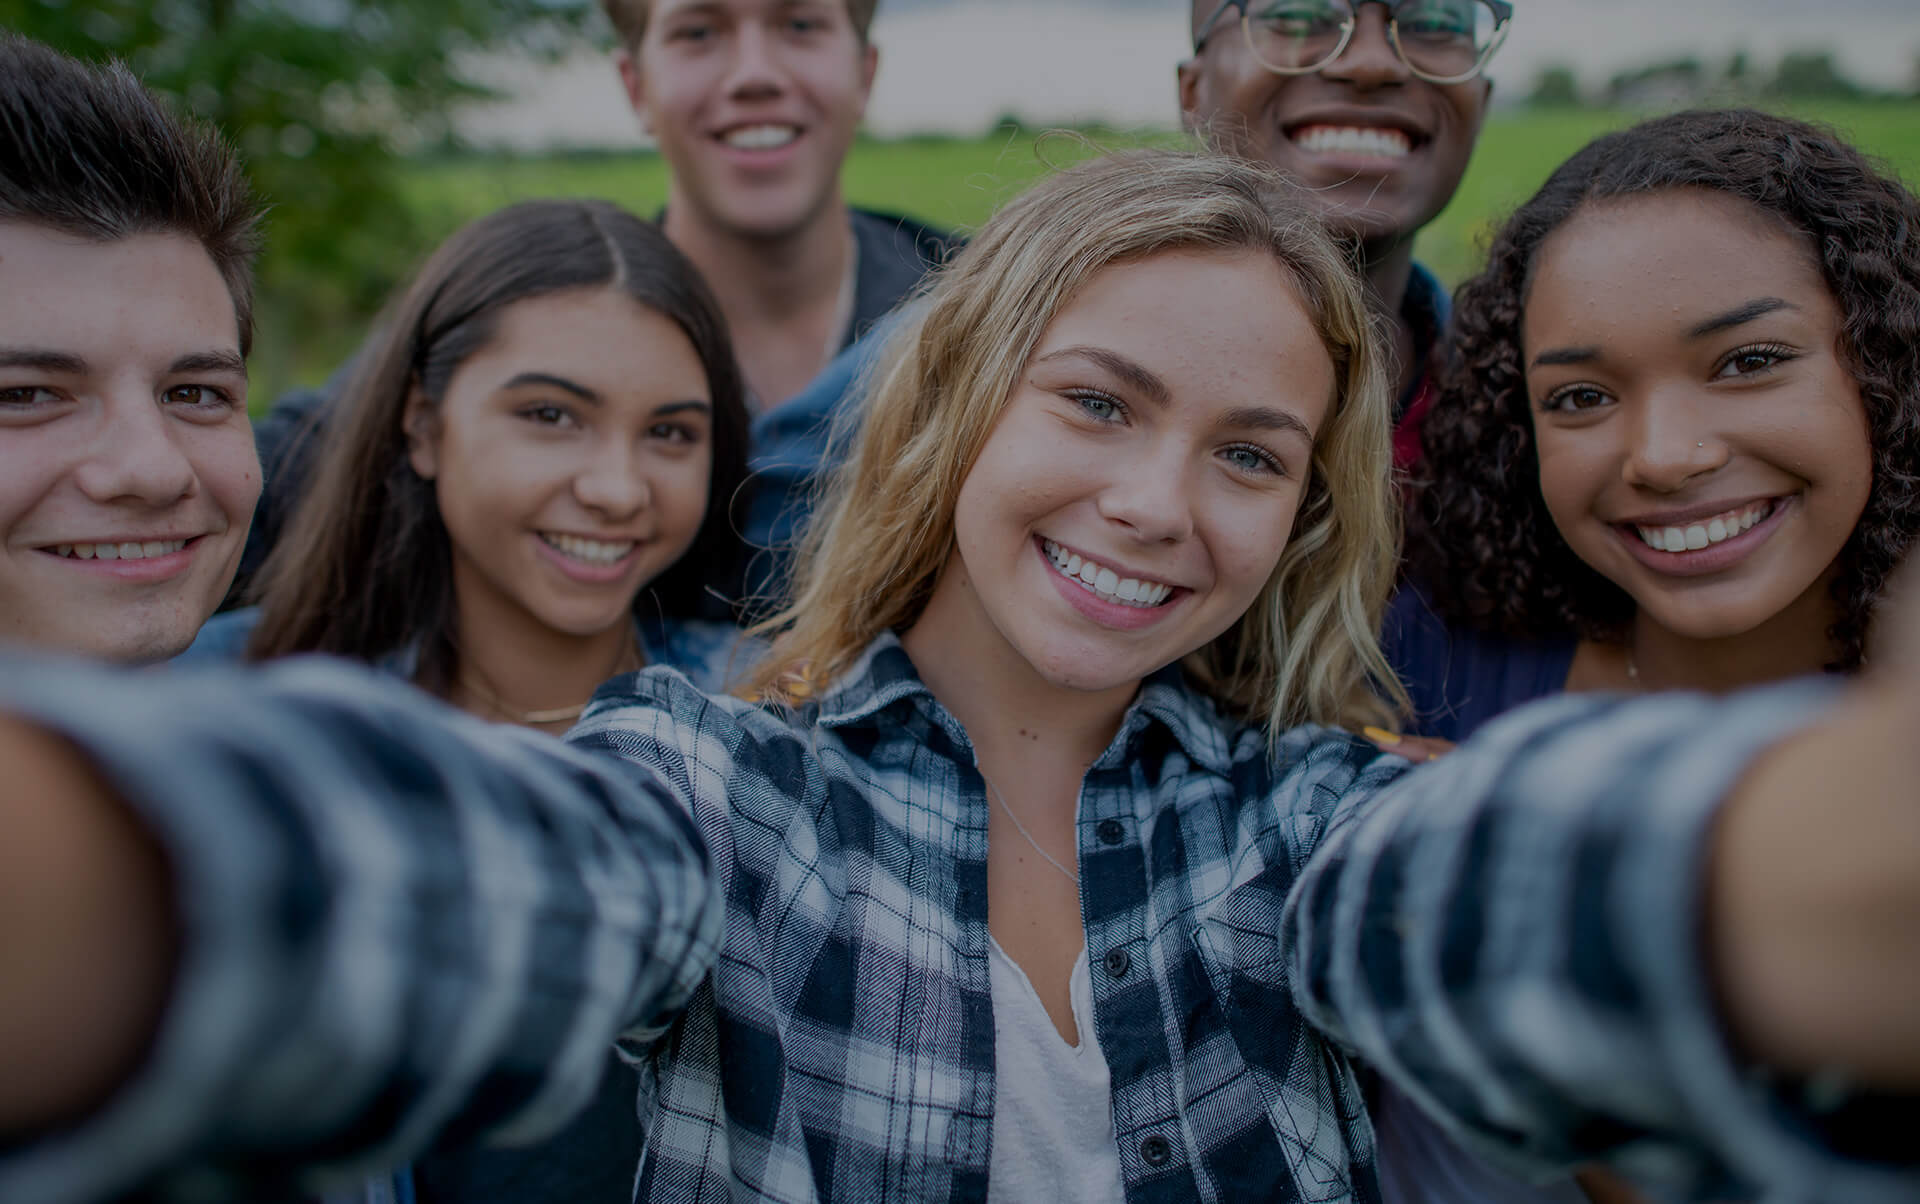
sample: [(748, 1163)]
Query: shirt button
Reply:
[(1118, 963), (1156, 1150), (1111, 831)]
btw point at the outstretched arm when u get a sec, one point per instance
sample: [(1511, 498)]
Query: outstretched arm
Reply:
[(1673, 933), (310, 917)]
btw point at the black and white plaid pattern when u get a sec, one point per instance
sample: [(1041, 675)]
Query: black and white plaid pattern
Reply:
[(1509, 935)]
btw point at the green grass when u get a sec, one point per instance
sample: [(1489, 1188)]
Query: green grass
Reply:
[(957, 183)]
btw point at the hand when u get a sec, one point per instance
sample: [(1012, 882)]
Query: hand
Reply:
[(1414, 748), (1814, 880), (86, 933)]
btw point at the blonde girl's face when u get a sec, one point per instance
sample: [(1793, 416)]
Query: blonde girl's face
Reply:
[(1142, 480), (570, 459)]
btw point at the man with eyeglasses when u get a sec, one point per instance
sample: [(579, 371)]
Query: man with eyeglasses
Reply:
[(1375, 108)]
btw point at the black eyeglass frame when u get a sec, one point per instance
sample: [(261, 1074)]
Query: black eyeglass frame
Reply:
[(1502, 16)]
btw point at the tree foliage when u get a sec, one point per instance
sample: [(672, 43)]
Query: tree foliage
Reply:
[(320, 96)]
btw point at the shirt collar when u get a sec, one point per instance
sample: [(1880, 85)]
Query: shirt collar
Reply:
[(884, 677)]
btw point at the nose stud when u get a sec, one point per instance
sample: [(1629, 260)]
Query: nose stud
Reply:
[(1702, 443)]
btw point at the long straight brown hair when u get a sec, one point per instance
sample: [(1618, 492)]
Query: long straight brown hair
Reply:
[(365, 568)]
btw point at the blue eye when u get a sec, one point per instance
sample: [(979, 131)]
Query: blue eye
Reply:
[(1248, 458), (1098, 406)]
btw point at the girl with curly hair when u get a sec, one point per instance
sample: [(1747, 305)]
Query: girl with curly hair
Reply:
[(1678, 440), (1675, 448)]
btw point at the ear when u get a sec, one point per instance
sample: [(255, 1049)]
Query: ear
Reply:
[(1187, 76), (631, 83), (420, 422)]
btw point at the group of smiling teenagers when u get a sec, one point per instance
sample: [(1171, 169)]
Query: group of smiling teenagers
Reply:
[(1026, 844)]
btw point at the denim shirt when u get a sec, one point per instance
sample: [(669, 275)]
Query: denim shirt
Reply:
[(1509, 935)]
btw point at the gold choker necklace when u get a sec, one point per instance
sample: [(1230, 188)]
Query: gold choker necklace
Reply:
[(627, 653)]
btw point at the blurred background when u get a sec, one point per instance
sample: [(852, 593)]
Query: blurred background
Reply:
[(375, 128)]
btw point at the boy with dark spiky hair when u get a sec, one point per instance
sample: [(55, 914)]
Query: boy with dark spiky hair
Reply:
[(127, 471)]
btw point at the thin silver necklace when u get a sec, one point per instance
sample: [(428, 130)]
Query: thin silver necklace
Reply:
[(1022, 829)]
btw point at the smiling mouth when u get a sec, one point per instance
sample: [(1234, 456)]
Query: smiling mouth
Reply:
[(149, 549), (1372, 141), (599, 553), (766, 136), (1706, 532), (1103, 582)]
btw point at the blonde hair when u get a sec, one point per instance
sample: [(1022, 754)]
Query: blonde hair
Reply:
[(629, 18), (1306, 650)]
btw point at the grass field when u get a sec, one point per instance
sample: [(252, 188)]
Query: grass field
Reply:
[(958, 183)]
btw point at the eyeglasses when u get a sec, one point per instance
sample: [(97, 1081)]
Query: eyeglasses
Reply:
[(1441, 41)]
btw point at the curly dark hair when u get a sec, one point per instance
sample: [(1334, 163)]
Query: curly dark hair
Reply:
[(1482, 541)]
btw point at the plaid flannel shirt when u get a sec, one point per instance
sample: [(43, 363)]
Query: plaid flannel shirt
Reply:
[(1508, 934)]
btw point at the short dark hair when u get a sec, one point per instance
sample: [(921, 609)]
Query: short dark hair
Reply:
[(366, 569), (1482, 540), (90, 152)]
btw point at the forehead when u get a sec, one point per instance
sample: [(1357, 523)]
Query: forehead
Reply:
[(146, 297), (662, 8), (1221, 329), (599, 337), (1669, 258)]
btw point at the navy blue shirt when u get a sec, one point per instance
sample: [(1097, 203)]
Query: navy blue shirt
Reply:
[(1458, 678)]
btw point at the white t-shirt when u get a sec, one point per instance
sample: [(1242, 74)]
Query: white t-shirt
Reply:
[(1053, 1109)]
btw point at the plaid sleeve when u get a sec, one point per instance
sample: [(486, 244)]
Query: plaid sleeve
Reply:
[(1512, 936), (397, 921)]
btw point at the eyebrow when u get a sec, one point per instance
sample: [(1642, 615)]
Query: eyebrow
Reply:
[(1566, 355), (72, 365), (42, 360), (682, 407), (209, 361), (1740, 315), (1264, 418), (553, 382), (1131, 372)]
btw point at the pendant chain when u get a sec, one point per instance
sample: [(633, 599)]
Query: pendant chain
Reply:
[(1022, 829)]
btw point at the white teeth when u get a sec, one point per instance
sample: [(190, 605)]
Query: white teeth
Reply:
[(592, 551), (761, 137), (144, 550), (1362, 140), (1715, 530), (1101, 580)]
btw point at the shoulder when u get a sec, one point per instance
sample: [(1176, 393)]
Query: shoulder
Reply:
[(1459, 678), (877, 230), (223, 638), (711, 654)]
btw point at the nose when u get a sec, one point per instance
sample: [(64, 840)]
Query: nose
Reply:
[(1369, 60), (755, 70), (1149, 496), (1670, 443), (136, 456), (612, 483)]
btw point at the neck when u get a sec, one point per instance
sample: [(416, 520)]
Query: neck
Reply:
[(1022, 726), (1388, 269), (1792, 643), (508, 666), (781, 293)]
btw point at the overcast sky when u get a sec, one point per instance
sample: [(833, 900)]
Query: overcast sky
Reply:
[(955, 65)]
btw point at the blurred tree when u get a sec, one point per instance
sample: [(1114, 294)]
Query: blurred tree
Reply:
[(1555, 88), (321, 96), (1813, 75)]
